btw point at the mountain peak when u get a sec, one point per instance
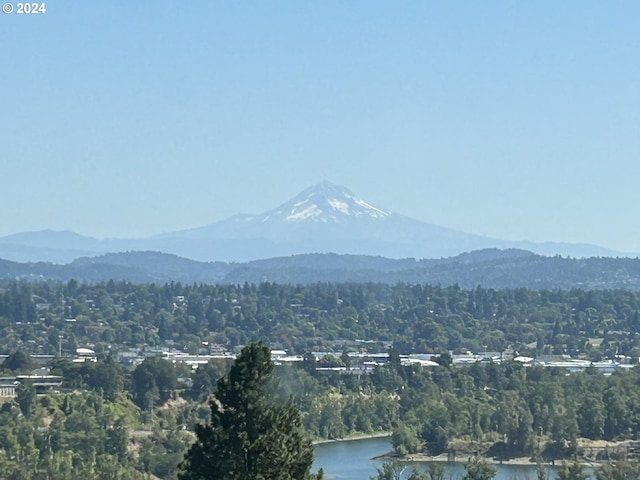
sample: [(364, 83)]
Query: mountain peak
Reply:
[(324, 202), (325, 188)]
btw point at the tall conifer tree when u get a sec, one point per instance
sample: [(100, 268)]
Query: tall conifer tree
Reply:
[(252, 434)]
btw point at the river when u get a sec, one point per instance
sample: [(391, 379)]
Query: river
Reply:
[(351, 460)]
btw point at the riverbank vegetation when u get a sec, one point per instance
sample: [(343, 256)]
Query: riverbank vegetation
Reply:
[(498, 411)]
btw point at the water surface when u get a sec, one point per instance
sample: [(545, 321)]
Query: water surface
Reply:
[(352, 460)]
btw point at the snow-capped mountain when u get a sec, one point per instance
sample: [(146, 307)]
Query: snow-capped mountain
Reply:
[(330, 218), (323, 203), (324, 218), (324, 209)]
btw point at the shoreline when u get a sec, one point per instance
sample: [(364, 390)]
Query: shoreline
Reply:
[(517, 461), (466, 450), (363, 436), (462, 458)]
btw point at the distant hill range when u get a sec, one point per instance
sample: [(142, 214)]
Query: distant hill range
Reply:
[(491, 268), (325, 218)]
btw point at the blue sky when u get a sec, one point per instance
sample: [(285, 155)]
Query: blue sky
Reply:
[(518, 120)]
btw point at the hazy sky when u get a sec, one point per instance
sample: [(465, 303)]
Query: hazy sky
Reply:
[(513, 119)]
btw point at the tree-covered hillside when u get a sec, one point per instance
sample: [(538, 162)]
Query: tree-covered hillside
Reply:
[(46, 318), (491, 268)]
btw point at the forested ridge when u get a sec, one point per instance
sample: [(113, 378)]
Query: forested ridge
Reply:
[(140, 419), (490, 267)]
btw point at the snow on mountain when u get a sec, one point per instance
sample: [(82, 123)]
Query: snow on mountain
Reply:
[(323, 209), (328, 218), (322, 203), (323, 218)]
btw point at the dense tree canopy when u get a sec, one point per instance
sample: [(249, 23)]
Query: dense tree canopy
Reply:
[(416, 318), (522, 411)]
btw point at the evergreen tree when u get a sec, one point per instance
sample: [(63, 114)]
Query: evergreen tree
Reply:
[(26, 397), (253, 435)]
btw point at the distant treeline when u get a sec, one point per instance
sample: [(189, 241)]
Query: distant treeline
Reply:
[(45, 318), (490, 268)]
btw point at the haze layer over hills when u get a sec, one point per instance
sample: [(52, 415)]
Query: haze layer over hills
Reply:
[(489, 268), (324, 218)]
